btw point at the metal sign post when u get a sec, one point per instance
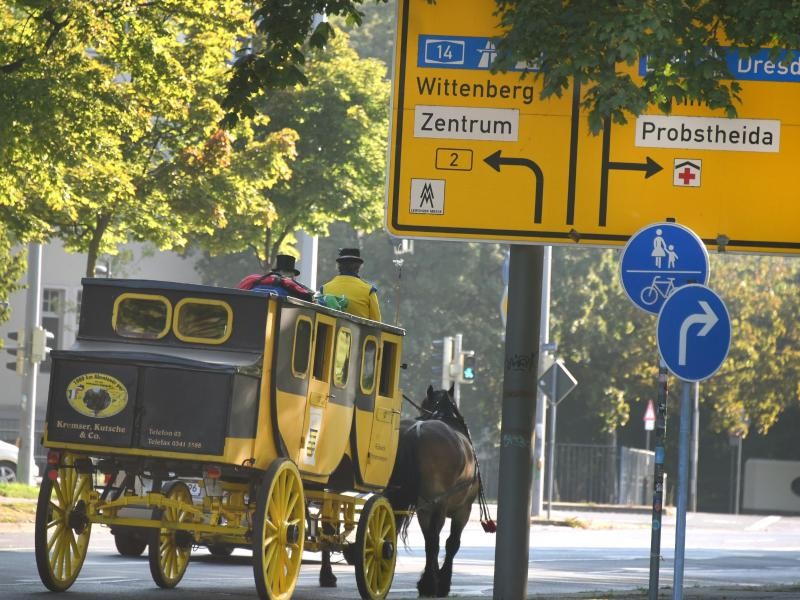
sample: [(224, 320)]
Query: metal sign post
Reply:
[(694, 335), (557, 382)]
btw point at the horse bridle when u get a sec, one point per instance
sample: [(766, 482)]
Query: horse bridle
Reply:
[(417, 406)]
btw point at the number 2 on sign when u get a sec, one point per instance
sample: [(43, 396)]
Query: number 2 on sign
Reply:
[(454, 159)]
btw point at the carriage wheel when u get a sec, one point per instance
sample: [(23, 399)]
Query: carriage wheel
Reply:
[(375, 549), (62, 527), (278, 531), (169, 549)]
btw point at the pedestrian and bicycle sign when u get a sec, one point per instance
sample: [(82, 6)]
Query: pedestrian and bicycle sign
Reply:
[(659, 259), (693, 332)]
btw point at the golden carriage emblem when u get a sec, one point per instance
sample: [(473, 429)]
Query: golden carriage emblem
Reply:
[(97, 395)]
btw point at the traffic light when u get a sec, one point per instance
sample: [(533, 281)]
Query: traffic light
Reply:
[(19, 351), (442, 361), (39, 347), (467, 374)]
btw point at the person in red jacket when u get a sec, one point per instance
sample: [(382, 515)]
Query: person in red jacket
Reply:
[(280, 281)]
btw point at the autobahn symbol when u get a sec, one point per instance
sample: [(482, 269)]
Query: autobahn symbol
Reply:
[(693, 332), (659, 259)]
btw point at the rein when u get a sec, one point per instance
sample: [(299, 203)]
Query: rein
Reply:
[(417, 406)]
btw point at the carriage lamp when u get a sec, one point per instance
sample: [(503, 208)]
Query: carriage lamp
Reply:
[(53, 457), (213, 472), (211, 475)]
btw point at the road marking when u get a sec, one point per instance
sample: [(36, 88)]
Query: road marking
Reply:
[(762, 524)]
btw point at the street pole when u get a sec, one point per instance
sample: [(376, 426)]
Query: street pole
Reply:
[(33, 315), (737, 491), (516, 430), (458, 342), (695, 447), (541, 402), (309, 245), (658, 480), (683, 488), (551, 458), (447, 358)]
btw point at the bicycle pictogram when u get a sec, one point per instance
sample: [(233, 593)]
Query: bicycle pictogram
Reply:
[(661, 287)]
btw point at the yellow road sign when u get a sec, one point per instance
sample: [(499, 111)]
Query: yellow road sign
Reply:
[(477, 155)]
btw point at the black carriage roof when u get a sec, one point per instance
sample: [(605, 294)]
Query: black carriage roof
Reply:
[(195, 288)]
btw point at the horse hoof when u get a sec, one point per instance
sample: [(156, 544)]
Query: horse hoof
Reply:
[(426, 591), (327, 582)]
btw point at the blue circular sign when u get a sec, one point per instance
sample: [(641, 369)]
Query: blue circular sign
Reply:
[(693, 332), (657, 260)]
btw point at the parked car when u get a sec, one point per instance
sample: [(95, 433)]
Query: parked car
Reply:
[(9, 455), (8, 462)]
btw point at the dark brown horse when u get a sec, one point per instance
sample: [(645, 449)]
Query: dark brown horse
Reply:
[(436, 474)]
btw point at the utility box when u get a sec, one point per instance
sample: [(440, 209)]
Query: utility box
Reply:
[(771, 485)]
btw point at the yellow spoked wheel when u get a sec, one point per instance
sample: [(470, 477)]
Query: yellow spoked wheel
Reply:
[(278, 531), (375, 549), (62, 527), (169, 549)]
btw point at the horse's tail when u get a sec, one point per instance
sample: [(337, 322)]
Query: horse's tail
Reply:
[(403, 489)]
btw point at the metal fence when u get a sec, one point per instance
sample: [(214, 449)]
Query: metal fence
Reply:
[(601, 474)]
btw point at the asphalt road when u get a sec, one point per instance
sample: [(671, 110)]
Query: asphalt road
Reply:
[(611, 554)]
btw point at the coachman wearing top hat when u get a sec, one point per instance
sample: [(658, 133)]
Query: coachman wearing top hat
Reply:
[(280, 281), (362, 297)]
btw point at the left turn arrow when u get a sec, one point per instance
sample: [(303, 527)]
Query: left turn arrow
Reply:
[(495, 160)]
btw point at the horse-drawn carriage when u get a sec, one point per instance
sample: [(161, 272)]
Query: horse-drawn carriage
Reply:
[(285, 413)]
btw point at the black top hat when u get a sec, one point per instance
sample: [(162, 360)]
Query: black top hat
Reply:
[(353, 254), (284, 262)]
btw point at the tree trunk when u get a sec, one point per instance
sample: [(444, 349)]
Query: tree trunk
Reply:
[(99, 231)]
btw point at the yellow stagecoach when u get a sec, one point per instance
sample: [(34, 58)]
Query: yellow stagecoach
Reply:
[(284, 413)]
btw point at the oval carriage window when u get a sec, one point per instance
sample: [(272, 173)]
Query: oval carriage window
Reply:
[(142, 316), (203, 321), (368, 365), (341, 358), (301, 351)]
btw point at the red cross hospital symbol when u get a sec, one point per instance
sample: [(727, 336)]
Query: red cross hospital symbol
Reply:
[(686, 173)]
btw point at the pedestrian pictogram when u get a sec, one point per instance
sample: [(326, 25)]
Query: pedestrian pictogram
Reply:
[(657, 260), (687, 172)]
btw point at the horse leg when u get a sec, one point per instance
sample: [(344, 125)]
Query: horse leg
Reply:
[(431, 523), (457, 523), (326, 576)]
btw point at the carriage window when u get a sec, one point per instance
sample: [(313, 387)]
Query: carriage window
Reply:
[(388, 371), (203, 321), (142, 316), (368, 365), (341, 361), (322, 365), (302, 347)]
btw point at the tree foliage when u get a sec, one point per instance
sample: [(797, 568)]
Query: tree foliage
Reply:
[(341, 118), (583, 41), (109, 116)]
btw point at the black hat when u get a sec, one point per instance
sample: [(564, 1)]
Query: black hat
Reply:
[(284, 262), (353, 254)]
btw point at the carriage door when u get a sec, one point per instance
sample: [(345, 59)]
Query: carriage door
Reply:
[(310, 456), (386, 416)]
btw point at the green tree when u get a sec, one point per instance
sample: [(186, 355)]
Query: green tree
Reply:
[(581, 41), (341, 119), (108, 115)]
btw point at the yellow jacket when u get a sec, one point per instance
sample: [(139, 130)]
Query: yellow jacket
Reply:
[(362, 297)]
